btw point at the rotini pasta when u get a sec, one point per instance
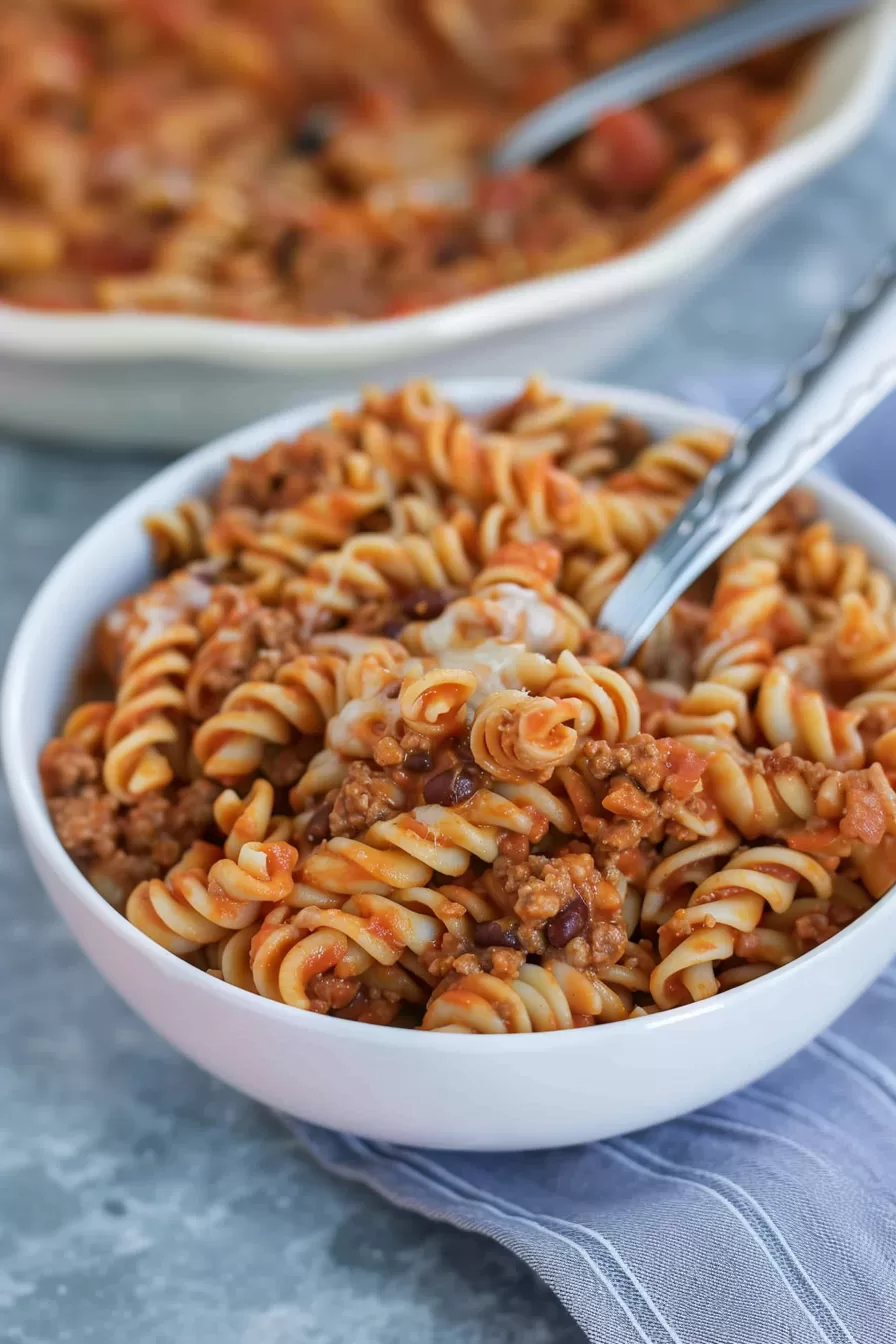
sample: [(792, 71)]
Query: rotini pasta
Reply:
[(365, 753), (721, 916), (148, 706)]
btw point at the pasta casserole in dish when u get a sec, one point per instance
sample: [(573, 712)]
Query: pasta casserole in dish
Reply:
[(319, 162)]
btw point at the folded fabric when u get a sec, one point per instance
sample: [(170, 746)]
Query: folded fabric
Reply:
[(770, 1216), (767, 1218)]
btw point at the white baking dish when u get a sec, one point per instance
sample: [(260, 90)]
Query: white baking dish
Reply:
[(168, 381)]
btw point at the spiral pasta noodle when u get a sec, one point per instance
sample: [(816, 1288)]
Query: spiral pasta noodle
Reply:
[(828, 570), (515, 736), (542, 998), (723, 908), (206, 892), (365, 751), (149, 702), (178, 534)]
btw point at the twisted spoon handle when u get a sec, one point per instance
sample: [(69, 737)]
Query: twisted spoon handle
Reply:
[(848, 372)]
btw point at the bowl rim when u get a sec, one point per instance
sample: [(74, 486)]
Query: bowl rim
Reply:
[(113, 337), (30, 642)]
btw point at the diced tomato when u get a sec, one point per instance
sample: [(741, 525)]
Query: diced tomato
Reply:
[(684, 764), (627, 154), (512, 193)]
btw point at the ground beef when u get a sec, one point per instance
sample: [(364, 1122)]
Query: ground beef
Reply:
[(192, 811), (286, 474), (116, 877), (676, 929), (538, 889), (608, 939), (253, 648), (331, 990), (66, 768), (653, 763), (503, 962), (119, 845), (143, 830), (164, 825), (388, 752), (285, 766), (87, 826), (276, 635), (219, 666), (640, 785), (369, 1005), (810, 930), (365, 796), (782, 761)]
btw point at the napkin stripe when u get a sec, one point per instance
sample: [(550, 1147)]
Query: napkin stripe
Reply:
[(872, 1065), (711, 1119), (763, 1229), (804, 1115), (865, 1068), (430, 1172)]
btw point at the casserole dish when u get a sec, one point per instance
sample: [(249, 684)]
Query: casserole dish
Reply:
[(168, 381)]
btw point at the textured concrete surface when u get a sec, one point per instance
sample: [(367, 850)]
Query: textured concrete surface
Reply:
[(138, 1198)]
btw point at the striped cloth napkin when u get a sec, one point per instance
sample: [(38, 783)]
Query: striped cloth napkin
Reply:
[(767, 1218)]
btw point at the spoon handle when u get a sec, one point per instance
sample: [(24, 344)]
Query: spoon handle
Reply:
[(850, 369), (701, 49)]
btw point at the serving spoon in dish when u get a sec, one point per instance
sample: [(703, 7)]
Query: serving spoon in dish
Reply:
[(701, 49), (849, 371)]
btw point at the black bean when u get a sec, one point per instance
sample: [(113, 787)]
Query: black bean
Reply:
[(453, 249), (439, 788), (318, 827), (313, 132), (392, 629), (493, 934), (451, 787), (418, 762), (691, 148), (424, 604), (465, 784), (568, 923), (464, 751)]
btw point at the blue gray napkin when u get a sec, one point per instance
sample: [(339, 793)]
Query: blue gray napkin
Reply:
[(767, 1218)]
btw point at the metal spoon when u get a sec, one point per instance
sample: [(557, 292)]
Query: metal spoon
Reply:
[(848, 372), (703, 48)]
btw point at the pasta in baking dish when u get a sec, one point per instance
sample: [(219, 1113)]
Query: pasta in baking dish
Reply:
[(318, 161), (362, 747)]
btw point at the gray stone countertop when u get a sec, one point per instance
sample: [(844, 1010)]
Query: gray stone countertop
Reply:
[(139, 1198)]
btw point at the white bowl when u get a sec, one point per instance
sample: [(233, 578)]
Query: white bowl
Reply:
[(404, 1086), (168, 381)]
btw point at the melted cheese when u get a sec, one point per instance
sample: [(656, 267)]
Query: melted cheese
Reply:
[(496, 667), (505, 612), (361, 723)]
